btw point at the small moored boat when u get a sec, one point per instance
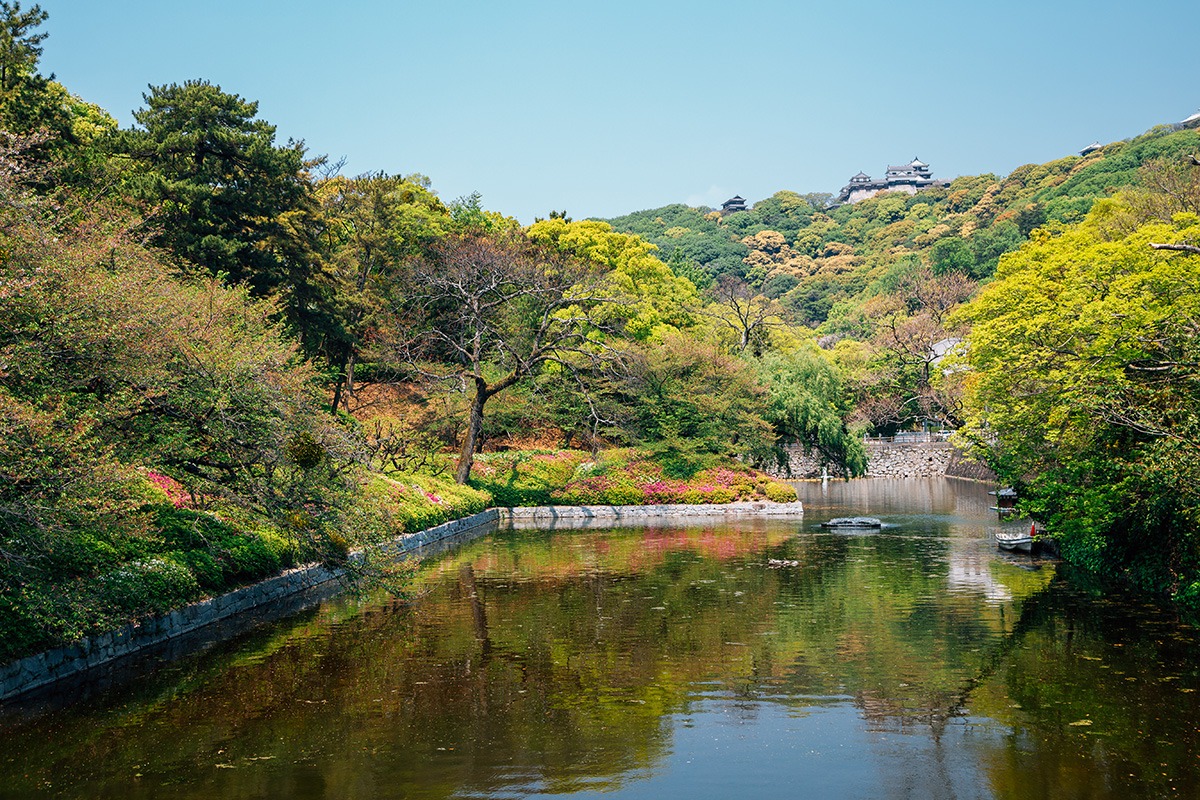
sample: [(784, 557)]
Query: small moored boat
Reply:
[(853, 522), (1022, 542)]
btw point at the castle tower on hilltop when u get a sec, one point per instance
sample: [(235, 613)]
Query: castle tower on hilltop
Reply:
[(909, 178), (735, 203)]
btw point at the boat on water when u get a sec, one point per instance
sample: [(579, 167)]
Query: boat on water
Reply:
[(1016, 540), (853, 522)]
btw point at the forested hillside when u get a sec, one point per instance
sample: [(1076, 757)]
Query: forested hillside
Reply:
[(874, 281)]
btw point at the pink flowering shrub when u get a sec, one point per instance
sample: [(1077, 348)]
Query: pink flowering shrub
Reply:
[(176, 495), (619, 479)]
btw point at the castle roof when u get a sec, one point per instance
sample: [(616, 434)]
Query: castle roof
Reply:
[(910, 177)]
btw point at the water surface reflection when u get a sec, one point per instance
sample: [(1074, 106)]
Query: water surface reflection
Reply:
[(696, 661)]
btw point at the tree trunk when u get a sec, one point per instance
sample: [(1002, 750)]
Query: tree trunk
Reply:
[(340, 387), (349, 372), (467, 456)]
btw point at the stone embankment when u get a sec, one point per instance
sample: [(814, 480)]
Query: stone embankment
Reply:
[(602, 516), (42, 669), (901, 460)]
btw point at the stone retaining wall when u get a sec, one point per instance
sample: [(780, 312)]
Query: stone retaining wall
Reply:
[(582, 516), (42, 669), (894, 460), (900, 460), (963, 466)]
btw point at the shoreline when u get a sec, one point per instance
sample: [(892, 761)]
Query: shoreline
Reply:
[(253, 602)]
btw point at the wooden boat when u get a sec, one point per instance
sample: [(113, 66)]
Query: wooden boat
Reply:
[(853, 522), (1015, 541)]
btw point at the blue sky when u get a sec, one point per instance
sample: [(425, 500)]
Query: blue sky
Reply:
[(609, 107)]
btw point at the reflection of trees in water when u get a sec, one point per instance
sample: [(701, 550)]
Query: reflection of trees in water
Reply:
[(557, 661), (908, 496), (1129, 672)]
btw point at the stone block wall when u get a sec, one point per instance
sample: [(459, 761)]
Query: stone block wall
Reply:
[(904, 460), (899, 460), (963, 466), (607, 516)]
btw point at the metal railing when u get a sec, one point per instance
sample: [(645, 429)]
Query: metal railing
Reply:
[(910, 437)]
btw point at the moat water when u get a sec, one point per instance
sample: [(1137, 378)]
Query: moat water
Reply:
[(748, 659)]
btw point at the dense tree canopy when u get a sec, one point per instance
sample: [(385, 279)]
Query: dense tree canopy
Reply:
[(226, 198), (1084, 389)]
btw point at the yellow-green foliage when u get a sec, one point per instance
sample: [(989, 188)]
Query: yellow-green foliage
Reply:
[(1084, 388), (651, 299), (414, 502), (526, 478)]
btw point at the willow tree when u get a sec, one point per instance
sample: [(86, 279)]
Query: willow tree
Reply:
[(490, 311)]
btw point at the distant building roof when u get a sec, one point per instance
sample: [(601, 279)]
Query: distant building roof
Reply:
[(1192, 120), (1091, 148), (910, 177)]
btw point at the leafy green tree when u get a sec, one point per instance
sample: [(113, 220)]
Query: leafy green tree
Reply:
[(31, 103), (648, 299), (988, 244), (808, 406), (486, 313), (739, 310), (952, 255), (689, 399), (1030, 217), (1084, 353), (227, 199), (20, 46), (373, 224)]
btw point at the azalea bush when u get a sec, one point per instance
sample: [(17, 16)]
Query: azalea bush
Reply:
[(411, 502), (618, 477), (526, 478)]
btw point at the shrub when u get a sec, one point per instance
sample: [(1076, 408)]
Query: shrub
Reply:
[(188, 530), (721, 495), (156, 584), (248, 560), (202, 565), (780, 492)]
